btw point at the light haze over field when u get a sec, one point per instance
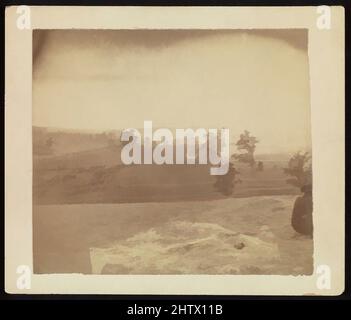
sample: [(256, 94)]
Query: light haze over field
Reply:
[(108, 80)]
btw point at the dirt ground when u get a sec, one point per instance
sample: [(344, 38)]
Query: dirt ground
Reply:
[(226, 236)]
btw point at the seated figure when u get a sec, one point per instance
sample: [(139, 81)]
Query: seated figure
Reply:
[(301, 219)]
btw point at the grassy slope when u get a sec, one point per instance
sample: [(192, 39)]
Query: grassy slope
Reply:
[(93, 177)]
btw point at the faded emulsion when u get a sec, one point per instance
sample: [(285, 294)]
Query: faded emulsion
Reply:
[(120, 188), (184, 152)]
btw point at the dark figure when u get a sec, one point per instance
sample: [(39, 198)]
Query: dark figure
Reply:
[(260, 166), (225, 183), (301, 219)]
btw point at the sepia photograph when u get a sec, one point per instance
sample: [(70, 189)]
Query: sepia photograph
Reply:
[(186, 150), (94, 214)]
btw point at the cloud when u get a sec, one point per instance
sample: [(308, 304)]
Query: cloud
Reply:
[(252, 80)]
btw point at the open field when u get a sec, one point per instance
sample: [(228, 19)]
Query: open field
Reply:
[(226, 236), (71, 181), (93, 215), (89, 170)]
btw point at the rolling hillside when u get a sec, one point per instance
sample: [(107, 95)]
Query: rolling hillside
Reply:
[(97, 176)]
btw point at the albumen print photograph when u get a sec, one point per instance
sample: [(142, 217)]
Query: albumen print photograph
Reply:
[(172, 152), (175, 150)]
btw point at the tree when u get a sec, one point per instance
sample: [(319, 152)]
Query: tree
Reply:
[(300, 169), (247, 144), (225, 183), (260, 166), (49, 143)]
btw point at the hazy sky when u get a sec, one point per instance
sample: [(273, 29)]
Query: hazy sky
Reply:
[(102, 80)]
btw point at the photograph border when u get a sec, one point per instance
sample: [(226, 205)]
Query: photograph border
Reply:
[(41, 284)]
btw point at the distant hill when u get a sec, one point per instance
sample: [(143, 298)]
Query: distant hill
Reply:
[(104, 156), (49, 141), (273, 157), (76, 167)]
